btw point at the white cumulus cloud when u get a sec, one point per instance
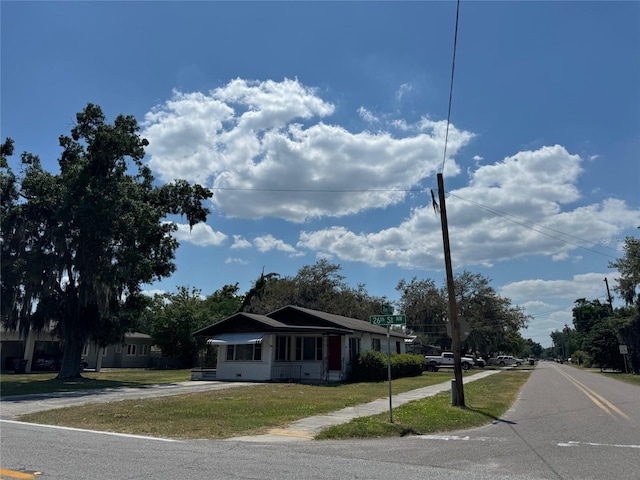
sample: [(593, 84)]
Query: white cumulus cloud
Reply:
[(269, 242), (266, 151), (201, 234), (240, 242), (513, 208)]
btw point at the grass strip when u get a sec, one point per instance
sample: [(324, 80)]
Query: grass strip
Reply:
[(486, 400), (631, 378)]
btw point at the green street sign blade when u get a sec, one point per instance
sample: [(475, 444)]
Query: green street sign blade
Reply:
[(386, 309), (388, 320)]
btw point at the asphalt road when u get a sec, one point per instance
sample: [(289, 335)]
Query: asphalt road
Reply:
[(567, 424)]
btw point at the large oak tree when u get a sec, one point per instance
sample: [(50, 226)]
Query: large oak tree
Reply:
[(78, 245)]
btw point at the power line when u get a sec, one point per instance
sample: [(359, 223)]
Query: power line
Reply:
[(498, 213), (318, 190), (524, 223), (453, 68)]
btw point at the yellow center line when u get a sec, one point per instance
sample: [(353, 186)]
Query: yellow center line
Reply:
[(596, 398), (8, 474)]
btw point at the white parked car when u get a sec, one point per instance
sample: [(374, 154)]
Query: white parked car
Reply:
[(505, 360)]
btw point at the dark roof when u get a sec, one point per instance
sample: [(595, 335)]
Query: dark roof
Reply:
[(252, 322), (293, 315)]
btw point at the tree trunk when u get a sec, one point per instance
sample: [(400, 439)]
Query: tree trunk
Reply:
[(70, 368)]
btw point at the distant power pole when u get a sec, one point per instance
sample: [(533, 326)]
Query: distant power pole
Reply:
[(453, 309), (609, 294)]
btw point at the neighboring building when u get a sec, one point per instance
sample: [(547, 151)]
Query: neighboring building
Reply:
[(134, 352), (293, 344)]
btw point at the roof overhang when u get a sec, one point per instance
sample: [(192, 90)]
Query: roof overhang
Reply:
[(236, 339)]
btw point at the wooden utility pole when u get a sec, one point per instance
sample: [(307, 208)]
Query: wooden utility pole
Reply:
[(609, 294), (453, 309)]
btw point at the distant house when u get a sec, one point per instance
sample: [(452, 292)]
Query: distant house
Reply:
[(294, 344), (134, 352)]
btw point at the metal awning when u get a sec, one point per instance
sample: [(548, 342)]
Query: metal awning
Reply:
[(236, 339)]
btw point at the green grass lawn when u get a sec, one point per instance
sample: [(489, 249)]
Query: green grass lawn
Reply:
[(31, 383), (261, 407), (623, 377)]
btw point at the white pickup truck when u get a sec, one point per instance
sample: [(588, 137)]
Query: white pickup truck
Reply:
[(444, 360)]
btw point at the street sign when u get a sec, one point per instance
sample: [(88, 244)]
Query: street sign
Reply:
[(386, 309), (388, 319)]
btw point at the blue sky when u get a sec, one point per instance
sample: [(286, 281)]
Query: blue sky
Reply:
[(320, 127)]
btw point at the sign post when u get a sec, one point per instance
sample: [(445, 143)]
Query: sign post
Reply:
[(388, 320), (624, 351)]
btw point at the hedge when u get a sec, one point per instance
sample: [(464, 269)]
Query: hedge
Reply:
[(371, 366)]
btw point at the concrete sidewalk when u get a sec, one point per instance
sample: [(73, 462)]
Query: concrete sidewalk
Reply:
[(307, 428)]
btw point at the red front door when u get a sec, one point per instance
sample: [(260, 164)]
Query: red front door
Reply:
[(335, 352)]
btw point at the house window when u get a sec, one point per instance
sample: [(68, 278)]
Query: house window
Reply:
[(131, 349), (244, 352), (354, 347), (376, 344), (144, 350), (85, 350), (282, 349), (118, 348), (250, 352), (104, 352), (319, 352), (308, 349), (298, 348), (398, 347)]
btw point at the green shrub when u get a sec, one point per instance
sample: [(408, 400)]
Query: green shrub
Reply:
[(406, 365), (371, 366)]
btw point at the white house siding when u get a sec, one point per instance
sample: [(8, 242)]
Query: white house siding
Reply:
[(270, 369), (244, 371), (368, 340), (250, 370)]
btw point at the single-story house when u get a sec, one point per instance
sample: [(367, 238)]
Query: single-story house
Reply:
[(134, 352), (294, 344)]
